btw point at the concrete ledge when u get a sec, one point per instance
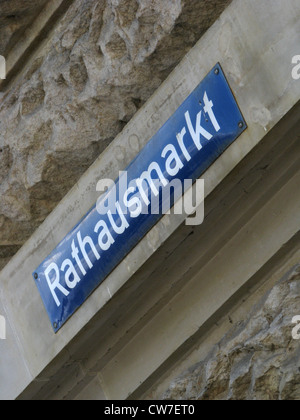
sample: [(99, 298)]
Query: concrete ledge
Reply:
[(254, 52), (139, 308)]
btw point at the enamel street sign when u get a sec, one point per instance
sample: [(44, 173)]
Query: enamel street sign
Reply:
[(201, 129)]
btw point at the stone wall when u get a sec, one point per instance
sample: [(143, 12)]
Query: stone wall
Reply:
[(15, 17), (99, 65), (257, 359)]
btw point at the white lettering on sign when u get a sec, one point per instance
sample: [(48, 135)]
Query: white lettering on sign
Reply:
[(135, 200)]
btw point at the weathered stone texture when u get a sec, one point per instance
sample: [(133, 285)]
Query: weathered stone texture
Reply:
[(15, 17), (257, 359), (100, 64)]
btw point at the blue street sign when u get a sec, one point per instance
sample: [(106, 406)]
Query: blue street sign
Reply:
[(201, 129)]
